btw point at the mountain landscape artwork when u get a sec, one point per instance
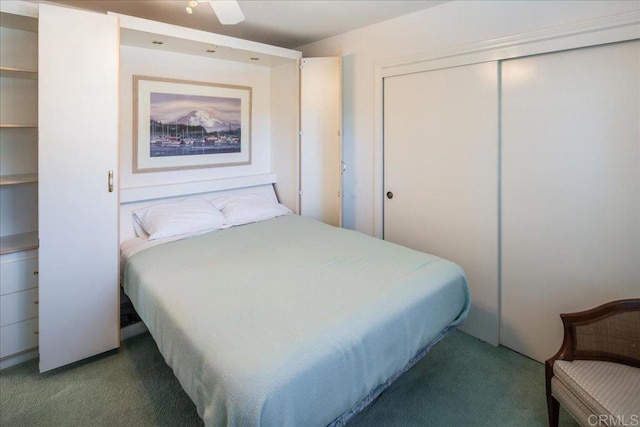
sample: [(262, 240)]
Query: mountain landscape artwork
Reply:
[(187, 125)]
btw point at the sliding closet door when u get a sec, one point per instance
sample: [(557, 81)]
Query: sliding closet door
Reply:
[(570, 189), (78, 221), (441, 176), (320, 140)]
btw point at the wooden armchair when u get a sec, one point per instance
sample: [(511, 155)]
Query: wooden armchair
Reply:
[(596, 372)]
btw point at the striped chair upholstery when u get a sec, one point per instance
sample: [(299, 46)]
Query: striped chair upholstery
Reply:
[(596, 373), (597, 388)]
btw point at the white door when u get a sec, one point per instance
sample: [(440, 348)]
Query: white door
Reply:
[(570, 189), (78, 221), (441, 176), (320, 140)]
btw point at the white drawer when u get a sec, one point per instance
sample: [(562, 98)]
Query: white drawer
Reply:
[(18, 275), (18, 306), (18, 337)]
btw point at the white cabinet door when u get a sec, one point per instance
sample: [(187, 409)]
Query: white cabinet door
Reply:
[(570, 189), (441, 164), (78, 221), (321, 141)]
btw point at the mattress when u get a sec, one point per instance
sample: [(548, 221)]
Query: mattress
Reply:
[(290, 322)]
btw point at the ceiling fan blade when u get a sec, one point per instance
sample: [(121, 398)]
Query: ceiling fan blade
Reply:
[(228, 11)]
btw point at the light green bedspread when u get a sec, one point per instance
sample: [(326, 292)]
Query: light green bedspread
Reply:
[(289, 322)]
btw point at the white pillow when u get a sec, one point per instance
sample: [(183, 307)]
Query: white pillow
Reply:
[(243, 209), (137, 227), (189, 216)]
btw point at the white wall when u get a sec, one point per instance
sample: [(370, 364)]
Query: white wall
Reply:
[(447, 25), (284, 132), (149, 62)]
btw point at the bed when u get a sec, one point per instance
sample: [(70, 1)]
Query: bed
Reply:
[(287, 321)]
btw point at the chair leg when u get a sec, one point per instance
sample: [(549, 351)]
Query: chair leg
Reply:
[(553, 408)]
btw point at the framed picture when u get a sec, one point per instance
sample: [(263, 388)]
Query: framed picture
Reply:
[(181, 124)]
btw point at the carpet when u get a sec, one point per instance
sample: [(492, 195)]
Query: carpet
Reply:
[(461, 382)]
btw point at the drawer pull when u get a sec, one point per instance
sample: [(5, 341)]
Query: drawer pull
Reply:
[(36, 302), (35, 273)]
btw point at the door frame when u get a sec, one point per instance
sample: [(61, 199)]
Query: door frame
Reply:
[(610, 29)]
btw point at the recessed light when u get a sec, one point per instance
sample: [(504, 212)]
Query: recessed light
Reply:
[(157, 42)]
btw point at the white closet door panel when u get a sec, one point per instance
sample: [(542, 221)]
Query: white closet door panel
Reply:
[(441, 164), (78, 221), (320, 142), (570, 189)]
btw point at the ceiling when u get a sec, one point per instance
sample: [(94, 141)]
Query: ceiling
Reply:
[(289, 24)]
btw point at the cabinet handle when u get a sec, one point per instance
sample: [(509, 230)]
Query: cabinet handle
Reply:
[(35, 273), (110, 182), (36, 332), (36, 302)]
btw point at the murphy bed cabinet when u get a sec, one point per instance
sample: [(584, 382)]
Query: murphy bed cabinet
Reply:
[(78, 195), (67, 177), (18, 183)]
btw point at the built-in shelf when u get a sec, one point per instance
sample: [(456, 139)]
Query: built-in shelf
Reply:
[(18, 242), (18, 73), (19, 15), (18, 125), (24, 178), (19, 139)]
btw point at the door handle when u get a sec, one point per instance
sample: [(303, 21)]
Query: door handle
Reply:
[(110, 182), (389, 195)]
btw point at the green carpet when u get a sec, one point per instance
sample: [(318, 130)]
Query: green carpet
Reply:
[(461, 382)]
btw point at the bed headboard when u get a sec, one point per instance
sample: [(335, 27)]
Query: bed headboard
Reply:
[(137, 197)]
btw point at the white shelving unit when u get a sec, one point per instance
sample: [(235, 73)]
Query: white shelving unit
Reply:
[(18, 125), (18, 182)]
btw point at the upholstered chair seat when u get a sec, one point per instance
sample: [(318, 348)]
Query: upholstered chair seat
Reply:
[(590, 389)]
